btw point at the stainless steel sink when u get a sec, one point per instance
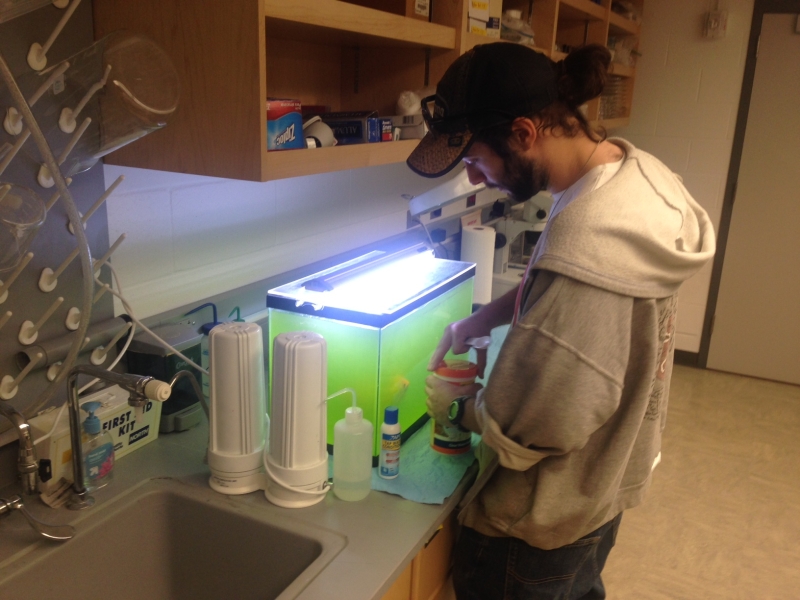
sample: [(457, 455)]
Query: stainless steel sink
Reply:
[(169, 540)]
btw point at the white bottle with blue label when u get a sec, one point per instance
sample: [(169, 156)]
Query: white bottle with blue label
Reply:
[(98, 450), (389, 462)]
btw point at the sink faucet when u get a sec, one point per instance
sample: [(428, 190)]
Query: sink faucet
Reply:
[(141, 389), (27, 465)]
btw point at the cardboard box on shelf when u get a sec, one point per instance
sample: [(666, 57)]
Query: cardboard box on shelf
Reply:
[(419, 9), (412, 127), (358, 127), (284, 124), (484, 17)]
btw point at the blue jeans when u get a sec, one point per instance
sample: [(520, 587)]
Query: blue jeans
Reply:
[(490, 568)]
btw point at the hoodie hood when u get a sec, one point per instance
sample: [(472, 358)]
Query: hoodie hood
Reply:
[(641, 234)]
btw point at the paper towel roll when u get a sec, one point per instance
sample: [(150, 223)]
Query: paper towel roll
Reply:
[(477, 246)]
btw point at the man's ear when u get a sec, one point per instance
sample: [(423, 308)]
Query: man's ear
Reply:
[(525, 132)]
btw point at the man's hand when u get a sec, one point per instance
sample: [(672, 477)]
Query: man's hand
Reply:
[(442, 393), (497, 312), (455, 337)]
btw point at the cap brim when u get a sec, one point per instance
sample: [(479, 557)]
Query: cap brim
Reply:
[(437, 153)]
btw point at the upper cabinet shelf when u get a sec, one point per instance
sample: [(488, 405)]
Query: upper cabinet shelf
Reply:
[(232, 55), (582, 10), (619, 25), (332, 21), (294, 163)]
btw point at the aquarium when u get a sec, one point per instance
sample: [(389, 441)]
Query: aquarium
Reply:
[(382, 316)]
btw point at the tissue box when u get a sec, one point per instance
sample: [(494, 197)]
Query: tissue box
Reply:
[(284, 124), (128, 432)]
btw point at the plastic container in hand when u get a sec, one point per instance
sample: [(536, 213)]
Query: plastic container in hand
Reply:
[(352, 455), (451, 440)]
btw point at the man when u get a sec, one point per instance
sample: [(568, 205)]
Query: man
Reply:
[(572, 414)]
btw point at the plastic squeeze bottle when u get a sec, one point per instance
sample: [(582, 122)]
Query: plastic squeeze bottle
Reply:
[(98, 450), (352, 455), (389, 465)]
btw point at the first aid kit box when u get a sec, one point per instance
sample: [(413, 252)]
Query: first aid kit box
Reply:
[(130, 429)]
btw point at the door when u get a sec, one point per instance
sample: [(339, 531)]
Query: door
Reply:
[(757, 318)]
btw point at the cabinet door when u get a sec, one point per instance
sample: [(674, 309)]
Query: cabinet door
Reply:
[(431, 566), (401, 589)]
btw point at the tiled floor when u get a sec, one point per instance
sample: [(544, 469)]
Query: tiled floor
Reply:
[(722, 518)]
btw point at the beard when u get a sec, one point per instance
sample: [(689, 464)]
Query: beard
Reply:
[(523, 177)]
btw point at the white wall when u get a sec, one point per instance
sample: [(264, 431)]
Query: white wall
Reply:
[(192, 237), (684, 112)]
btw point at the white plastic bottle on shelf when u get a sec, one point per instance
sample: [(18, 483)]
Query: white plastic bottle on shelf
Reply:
[(514, 29), (352, 455), (389, 462)]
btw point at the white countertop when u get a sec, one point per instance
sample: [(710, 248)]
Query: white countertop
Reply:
[(384, 532)]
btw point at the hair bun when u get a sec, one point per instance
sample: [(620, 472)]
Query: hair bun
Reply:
[(582, 75)]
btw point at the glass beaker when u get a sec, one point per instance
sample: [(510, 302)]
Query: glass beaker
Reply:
[(125, 83), (22, 212), (142, 92)]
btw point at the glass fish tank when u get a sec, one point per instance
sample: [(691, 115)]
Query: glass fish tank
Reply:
[(382, 315)]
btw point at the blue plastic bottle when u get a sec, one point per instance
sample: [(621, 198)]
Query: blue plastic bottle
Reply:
[(98, 450), (389, 461)]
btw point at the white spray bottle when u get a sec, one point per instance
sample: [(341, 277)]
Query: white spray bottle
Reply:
[(352, 453)]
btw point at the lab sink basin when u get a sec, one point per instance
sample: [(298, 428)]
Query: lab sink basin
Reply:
[(169, 540)]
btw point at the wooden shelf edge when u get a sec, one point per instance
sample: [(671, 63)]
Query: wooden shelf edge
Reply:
[(297, 163), (620, 22), (590, 9), (345, 17)]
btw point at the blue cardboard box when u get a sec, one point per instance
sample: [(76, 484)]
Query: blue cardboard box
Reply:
[(284, 124), (357, 127)]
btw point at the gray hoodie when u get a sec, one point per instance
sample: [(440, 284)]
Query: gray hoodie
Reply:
[(575, 406)]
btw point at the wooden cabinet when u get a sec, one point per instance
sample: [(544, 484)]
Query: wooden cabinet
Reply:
[(562, 24), (401, 588), (350, 56), (427, 574), (431, 567), (231, 55)]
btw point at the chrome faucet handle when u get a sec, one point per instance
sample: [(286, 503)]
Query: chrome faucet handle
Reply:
[(59, 533)]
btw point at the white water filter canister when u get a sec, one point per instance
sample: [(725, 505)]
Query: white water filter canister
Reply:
[(296, 462), (238, 423)]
